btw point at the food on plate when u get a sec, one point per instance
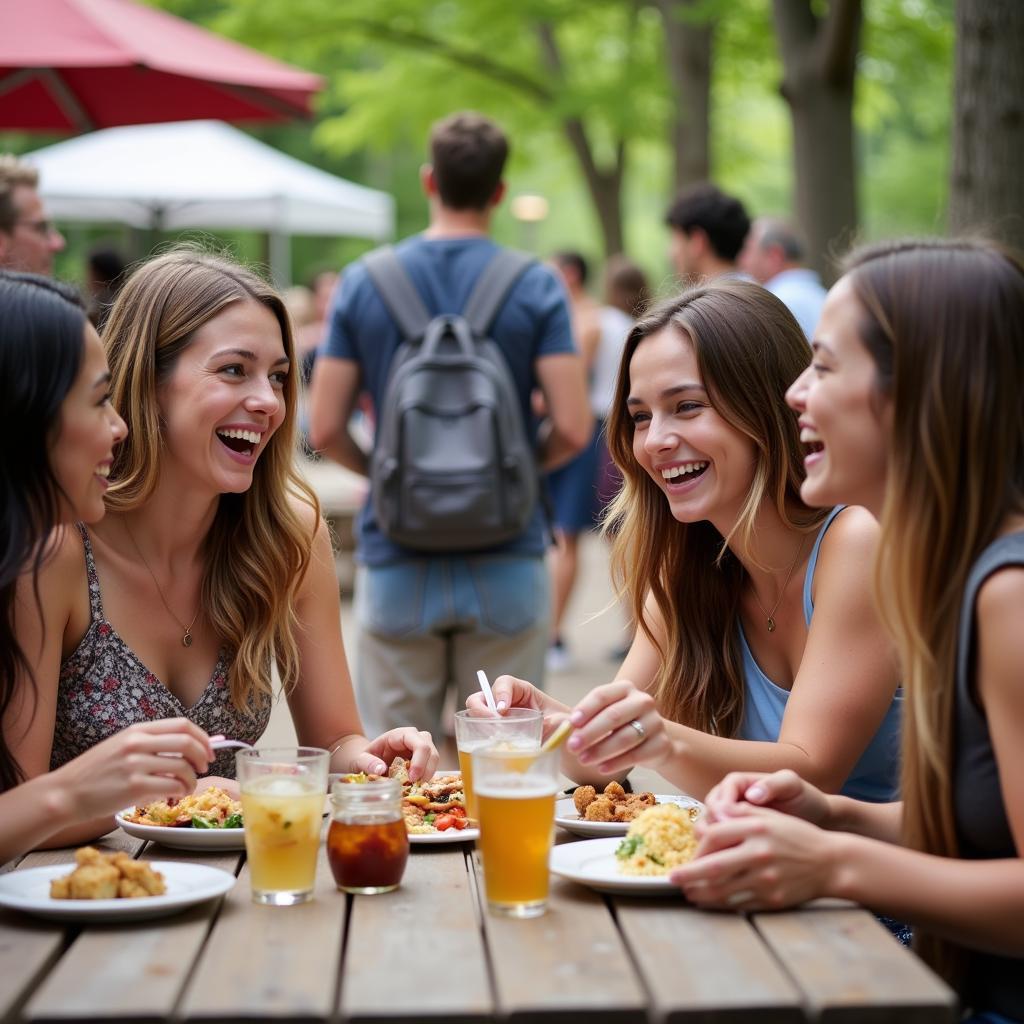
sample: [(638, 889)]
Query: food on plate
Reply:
[(213, 808), (431, 805), (614, 804), (107, 876), (660, 839)]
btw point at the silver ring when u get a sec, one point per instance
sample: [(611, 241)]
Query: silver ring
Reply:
[(640, 730)]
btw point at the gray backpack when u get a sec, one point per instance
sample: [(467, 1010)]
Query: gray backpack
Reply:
[(452, 468)]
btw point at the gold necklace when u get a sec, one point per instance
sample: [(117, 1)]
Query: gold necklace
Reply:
[(186, 640), (770, 616)]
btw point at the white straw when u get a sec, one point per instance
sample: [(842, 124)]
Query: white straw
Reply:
[(485, 686)]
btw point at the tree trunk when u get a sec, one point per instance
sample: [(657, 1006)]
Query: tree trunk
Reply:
[(819, 67), (986, 185), (603, 183), (688, 52)]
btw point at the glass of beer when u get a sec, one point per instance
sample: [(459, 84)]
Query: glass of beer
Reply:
[(282, 808), (516, 729), (515, 802)]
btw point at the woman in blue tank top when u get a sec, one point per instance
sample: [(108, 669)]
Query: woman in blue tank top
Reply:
[(912, 407), (724, 564)]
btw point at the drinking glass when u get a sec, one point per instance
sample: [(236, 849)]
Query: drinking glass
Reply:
[(282, 807), (515, 800), (517, 729)]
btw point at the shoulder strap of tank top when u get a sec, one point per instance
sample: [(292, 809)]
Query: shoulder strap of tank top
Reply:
[(95, 601), (1004, 551), (812, 563)]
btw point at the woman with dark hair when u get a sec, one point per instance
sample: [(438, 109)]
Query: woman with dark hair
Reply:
[(912, 407), (58, 435), (748, 602), (213, 566)]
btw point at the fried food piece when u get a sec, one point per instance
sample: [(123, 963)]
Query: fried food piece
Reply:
[(601, 809), (583, 797), (399, 770), (95, 882), (107, 876), (615, 791)]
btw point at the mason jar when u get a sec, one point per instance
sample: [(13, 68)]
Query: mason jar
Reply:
[(367, 842)]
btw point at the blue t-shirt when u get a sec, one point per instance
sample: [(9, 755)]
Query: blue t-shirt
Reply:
[(532, 322), (875, 777)]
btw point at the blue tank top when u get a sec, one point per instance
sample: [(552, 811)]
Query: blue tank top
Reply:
[(875, 777)]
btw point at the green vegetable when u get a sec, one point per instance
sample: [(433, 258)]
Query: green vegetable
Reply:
[(235, 821), (428, 819), (628, 847), (198, 822)]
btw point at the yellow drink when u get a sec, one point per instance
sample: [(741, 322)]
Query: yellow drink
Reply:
[(466, 767), (516, 815), (282, 836)]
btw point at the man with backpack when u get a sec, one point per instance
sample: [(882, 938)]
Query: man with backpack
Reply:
[(448, 334)]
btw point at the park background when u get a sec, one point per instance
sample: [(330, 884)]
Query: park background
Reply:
[(850, 116)]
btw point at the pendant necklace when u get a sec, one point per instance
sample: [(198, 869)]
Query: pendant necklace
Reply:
[(186, 640), (770, 616)]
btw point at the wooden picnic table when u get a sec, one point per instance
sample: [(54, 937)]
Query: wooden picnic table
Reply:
[(429, 951)]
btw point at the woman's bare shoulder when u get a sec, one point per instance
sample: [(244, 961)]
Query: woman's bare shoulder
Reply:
[(852, 536)]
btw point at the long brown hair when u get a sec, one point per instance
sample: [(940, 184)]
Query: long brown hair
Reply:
[(749, 349), (259, 545), (944, 323)]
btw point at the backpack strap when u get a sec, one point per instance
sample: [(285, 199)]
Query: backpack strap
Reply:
[(397, 292), (492, 288)]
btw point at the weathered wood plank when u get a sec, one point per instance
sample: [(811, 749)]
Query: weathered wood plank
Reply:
[(130, 971), (850, 968), (701, 966), (264, 963), (417, 953), (570, 964)]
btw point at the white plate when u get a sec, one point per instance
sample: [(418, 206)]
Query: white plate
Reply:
[(593, 863), (568, 817), (187, 884), (451, 835), (184, 838)]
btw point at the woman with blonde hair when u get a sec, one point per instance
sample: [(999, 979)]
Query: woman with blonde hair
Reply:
[(750, 605), (213, 566), (912, 408)]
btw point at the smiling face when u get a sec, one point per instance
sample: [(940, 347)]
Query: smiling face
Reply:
[(702, 463), (844, 420), (83, 449), (224, 399)]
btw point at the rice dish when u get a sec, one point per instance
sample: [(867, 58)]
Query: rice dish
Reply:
[(659, 839)]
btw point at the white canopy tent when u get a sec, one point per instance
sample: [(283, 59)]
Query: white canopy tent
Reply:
[(205, 174)]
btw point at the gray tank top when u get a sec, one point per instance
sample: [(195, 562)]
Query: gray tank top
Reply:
[(994, 983), (104, 687)]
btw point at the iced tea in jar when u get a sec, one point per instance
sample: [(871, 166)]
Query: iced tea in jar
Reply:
[(367, 843)]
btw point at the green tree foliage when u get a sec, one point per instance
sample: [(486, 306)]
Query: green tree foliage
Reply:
[(394, 66)]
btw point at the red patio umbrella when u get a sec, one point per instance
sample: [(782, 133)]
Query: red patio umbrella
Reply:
[(76, 65)]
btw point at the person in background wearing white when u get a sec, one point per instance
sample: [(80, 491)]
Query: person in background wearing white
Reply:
[(773, 255)]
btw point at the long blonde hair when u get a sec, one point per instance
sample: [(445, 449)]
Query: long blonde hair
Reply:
[(749, 349), (259, 545), (944, 323)]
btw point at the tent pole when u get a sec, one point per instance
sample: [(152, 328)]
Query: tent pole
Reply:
[(279, 245)]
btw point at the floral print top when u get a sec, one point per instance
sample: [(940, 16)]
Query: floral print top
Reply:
[(104, 687)]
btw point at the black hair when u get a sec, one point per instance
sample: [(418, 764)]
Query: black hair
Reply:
[(42, 337), (576, 260), (721, 217)]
